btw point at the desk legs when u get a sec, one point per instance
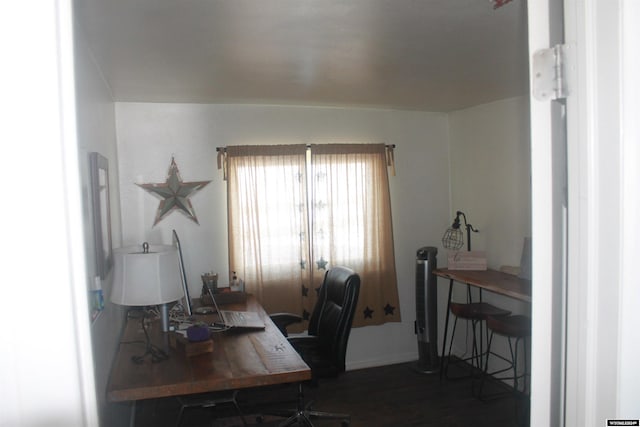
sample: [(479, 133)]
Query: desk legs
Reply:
[(132, 414), (446, 328)]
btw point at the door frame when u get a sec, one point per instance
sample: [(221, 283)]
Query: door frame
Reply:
[(603, 193)]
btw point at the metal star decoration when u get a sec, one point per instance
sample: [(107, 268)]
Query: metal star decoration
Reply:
[(174, 194)]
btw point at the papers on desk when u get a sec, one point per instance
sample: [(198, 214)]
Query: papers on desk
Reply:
[(467, 260)]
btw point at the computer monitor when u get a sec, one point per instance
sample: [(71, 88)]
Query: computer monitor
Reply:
[(183, 275)]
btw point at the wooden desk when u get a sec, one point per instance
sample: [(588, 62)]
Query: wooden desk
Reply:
[(240, 359), (491, 280)]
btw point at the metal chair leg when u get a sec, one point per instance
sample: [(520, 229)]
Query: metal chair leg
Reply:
[(477, 352), (303, 414)]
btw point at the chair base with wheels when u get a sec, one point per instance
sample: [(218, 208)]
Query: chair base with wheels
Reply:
[(304, 413), (324, 348)]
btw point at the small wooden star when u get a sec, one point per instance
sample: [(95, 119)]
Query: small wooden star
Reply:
[(303, 264), (174, 194), (368, 313), (305, 291), (305, 315)]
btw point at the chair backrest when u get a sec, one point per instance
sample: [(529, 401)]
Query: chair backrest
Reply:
[(333, 314)]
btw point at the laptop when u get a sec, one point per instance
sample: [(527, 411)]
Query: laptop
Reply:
[(238, 319)]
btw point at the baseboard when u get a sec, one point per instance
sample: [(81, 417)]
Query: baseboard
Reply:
[(388, 360)]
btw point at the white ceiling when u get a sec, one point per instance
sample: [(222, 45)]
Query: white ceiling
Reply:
[(432, 55)]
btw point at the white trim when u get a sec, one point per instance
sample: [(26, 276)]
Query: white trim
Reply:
[(629, 340), (581, 131), (541, 225), (389, 360), (74, 212), (603, 189)]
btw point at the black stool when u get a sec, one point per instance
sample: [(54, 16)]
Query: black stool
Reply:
[(516, 327), (476, 312)]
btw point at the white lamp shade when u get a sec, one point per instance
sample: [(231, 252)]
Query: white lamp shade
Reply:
[(146, 278)]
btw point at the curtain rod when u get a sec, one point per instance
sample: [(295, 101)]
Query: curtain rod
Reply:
[(224, 149)]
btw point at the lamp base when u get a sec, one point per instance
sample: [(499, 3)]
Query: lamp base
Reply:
[(164, 317), (157, 354)]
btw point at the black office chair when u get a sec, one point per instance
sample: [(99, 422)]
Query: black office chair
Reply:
[(325, 347)]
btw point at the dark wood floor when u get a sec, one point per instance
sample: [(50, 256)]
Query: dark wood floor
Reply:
[(389, 396)]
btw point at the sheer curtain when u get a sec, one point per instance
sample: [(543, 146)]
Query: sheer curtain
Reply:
[(267, 222), (351, 223), (294, 213)]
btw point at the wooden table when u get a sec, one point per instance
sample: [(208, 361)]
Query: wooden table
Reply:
[(491, 280), (240, 359)]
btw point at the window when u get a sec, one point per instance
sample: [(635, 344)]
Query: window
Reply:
[(296, 211)]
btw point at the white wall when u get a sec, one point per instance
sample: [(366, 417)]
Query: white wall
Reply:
[(491, 176), (491, 184), (97, 132), (45, 358), (150, 134)]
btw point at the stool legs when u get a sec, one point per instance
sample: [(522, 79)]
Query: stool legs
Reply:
[(477, 351), (520, 395), (446, 328), (513, 364), (477, 313)]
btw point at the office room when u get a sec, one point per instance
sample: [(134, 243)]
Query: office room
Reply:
[(467, 149)]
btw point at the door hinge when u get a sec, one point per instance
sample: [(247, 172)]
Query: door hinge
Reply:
[(550, 73)]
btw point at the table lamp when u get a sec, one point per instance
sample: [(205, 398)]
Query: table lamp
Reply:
[(453, 238), (147, 275)]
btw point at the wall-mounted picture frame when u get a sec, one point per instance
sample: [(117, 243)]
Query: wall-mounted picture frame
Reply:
[(99, 169)]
